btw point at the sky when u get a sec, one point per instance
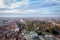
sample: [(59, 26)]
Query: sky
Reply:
[(29, 8)]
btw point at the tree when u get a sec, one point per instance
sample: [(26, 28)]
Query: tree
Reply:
[(55, 31)]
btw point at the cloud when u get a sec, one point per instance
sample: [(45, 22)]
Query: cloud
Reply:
[(36, 4), (31, 12), (2, 4), (19, 4), (29, 7), (29, 4), (43, 4)]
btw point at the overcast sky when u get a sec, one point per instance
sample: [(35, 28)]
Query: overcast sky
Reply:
[(29, 8)]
